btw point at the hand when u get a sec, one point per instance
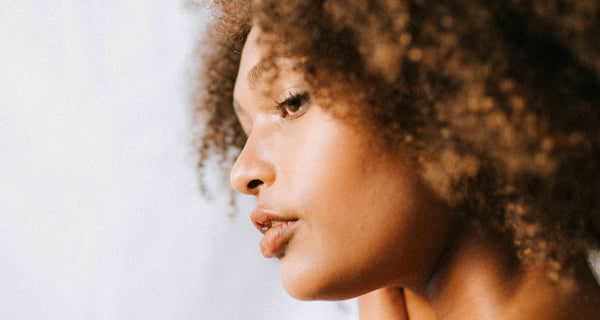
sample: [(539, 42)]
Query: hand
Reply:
[(394, 304)]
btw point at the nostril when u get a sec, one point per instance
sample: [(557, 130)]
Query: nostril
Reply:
[(254, 183)]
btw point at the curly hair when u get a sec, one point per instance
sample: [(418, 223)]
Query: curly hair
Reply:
[(500, 100)]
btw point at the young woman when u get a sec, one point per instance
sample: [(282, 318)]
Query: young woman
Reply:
[(437, 158)]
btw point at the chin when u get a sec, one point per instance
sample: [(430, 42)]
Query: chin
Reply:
[(306, 292), (305, 282)]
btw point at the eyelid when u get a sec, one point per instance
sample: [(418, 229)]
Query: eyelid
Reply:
[(302, 97), (291, 91)]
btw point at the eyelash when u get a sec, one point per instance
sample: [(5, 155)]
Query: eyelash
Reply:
[(296, 101)]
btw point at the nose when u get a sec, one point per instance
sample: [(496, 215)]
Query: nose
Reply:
[(253, 169)]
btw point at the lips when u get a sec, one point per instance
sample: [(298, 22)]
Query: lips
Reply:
[(277, 231)]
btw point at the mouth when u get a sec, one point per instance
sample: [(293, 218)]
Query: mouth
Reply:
[(277, 232)]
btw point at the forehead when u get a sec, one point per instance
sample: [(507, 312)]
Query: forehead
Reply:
[(249, 62), (258, 76)]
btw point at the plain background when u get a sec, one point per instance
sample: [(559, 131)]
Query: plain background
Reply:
[(101, 216)]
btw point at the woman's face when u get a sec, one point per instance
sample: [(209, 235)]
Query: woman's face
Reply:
[(343, 217)]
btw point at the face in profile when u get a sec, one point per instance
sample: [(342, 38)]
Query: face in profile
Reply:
[(343, 216)]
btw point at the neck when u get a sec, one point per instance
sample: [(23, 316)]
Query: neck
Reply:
[(480, 278)]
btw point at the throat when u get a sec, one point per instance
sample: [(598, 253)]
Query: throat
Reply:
[(475, 278), (479, 278)]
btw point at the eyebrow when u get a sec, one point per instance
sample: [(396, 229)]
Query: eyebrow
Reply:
[(258, 71), (255, 74)]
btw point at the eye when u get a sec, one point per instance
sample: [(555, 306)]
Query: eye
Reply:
[(293, 105)]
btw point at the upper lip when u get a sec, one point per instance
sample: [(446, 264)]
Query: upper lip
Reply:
[(263, 218)]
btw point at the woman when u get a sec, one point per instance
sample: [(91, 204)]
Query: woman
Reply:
[(449, 149)]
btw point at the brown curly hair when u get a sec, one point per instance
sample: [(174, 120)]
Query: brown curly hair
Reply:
[(500, 100)]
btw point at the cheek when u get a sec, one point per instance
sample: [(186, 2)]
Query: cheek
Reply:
[(352, 241), (364, 222), (354, 210), (312, 156), (345, 185)]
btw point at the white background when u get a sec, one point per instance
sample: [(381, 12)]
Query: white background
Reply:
[(100, 211)]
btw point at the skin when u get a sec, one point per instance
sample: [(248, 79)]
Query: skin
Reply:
[(479, 281), (362, 214), (365, 222), (394, 304)]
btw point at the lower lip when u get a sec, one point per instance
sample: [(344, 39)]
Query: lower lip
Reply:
[(276, 238)]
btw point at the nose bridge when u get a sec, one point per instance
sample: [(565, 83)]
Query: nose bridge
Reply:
[(253, 169)]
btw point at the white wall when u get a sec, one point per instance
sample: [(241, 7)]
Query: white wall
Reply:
[(100, 211)]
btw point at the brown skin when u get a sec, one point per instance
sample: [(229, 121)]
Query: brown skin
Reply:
[(492, 104), (498, 101), (394, 304), (304, 164), (478, 281), (386, 303), (361, 213)]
